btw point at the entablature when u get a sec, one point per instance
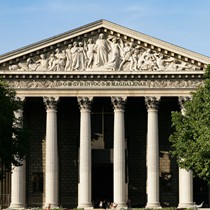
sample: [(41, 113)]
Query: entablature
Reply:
[(104, 82)]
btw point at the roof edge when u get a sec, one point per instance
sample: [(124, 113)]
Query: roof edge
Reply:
[(52, 38)]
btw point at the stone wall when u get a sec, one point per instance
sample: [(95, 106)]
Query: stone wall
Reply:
[(35, 121), (168, 167), (68, 138), (136, 128)]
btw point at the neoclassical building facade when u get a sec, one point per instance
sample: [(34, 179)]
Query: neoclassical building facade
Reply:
[(97, 102)]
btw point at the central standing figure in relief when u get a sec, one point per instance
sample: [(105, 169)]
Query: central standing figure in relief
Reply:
[(102, 49)]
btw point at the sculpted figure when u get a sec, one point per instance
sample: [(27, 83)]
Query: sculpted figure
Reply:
[(102, 49), (31, 64), (81, 57), (78, 56), (149, 61), (57, 61), (127, 52), (135, 58), (60, 59), (141, 59), (90, 53), (182, 66), (68, 66), (171, 64), (75, 56), (160, 62), (114, 60), (42, 63), (51, 61), (14, 67)]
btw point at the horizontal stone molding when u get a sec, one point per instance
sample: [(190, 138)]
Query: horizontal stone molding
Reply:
[(106, 84)]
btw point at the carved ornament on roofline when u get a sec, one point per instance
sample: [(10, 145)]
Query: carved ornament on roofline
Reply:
[(100, 52)]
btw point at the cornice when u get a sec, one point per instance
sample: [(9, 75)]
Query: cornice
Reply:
[(51, 41), (157, 42), (101, 76)]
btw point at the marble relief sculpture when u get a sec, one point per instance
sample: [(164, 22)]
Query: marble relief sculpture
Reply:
[(101, 50), (103, 54)]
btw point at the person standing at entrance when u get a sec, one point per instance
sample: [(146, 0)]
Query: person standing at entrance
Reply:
[(100, 204)]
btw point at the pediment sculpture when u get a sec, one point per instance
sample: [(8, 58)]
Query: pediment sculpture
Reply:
[(102, 53)]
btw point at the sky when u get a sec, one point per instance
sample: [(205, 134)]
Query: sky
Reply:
[(185, 23)]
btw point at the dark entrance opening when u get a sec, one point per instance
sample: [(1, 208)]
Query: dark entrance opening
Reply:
[(200, 192), (102, 183)]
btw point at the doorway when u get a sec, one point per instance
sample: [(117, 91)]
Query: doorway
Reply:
[(102, 183)]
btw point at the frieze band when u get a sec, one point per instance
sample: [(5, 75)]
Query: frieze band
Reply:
[(18, 84)]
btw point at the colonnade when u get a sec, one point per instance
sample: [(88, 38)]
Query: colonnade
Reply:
[(84, 190)]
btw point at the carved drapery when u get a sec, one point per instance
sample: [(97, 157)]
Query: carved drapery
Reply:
[(103, 52)]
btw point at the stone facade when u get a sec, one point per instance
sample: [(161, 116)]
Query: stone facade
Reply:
[(98, 102)]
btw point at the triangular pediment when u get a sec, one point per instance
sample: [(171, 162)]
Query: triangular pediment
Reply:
[(102, 46)]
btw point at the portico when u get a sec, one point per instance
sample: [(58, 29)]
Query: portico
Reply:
[(73, 159), (105, 115)]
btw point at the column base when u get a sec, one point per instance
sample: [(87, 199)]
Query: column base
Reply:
[(52, 205), (153, 206), (121, 205), (186, 205), (17, 206), (85, 206)]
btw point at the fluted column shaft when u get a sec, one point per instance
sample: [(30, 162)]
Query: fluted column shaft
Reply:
[(185, 177), (84, 195), (18, 180), (152, 153), (51, 170), (119, 152)]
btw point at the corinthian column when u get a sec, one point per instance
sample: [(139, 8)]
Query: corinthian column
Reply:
[(84, 195), (185, 177), (51, 168), (152, 153), (18, 178), (119, 151)]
